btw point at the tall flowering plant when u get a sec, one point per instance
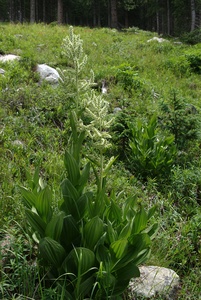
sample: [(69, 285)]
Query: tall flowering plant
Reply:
[(91, 246)]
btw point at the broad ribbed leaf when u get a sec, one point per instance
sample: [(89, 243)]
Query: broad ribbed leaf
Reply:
[(70, 235), (140, 221), (127, 272), (54, 227), (111, 233), (138, 242), (115, 213), (84, 176), (151, 211), (86, 286), (142, 257), (70, 195), (119, 248), (72, 168), (109, 165), (36, 222), (93, 231), (103, 256), (152, 230), (126, 231), (69, 191), (29, 197), (82, 203), (51, 251), (123, 276), (43, 204), (80, 260)]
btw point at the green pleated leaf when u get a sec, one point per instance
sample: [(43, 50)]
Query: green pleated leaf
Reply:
[(54, 227), (111, 233), (52, 252), (70, 235), (29, 198), (72, 168), (126, 230), (84, 176), (36, 222), (80, 260), (43, 204), (109, 165), (115, 212), (127, 272), (103, 256), (151, 230), (140, 221), (93, 231), (82, 204), (119, 248), (151, 211), (70, 195), (86, 286), (137, 243), (142, 257)]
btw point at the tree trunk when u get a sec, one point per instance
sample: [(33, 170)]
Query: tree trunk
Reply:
[(114, 17), (192, 15), (168, 17), (157, 22), (60, 11), (126, 18), (32, 11), (11, 11), (44, 11)]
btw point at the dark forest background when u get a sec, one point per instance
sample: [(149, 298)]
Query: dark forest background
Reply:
[(170, 17)]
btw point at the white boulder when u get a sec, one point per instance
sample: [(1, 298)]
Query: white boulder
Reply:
[(154, 281), (8, 58), (157, 39), (48, 74)]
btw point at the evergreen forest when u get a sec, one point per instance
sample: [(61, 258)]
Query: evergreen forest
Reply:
[(169, 17)]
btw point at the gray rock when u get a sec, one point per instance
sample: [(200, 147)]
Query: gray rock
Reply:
[(157, 39), (18, 143), (154, 281), (48, 74), (2, 71), (8, 58), (117, 109)]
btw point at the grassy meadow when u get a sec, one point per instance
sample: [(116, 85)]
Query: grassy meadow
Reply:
[(156, 136)]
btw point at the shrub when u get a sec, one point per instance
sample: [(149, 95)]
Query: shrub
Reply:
[(127, 76), (181, 119), (152, 154), (193, 56), (193, 37)]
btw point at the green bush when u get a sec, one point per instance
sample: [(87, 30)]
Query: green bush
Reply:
[(152, 153), (179, 65), (181, 119), (127, 76), (193, 56), (193, 37)]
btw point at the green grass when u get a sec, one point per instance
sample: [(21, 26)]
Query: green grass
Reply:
[(37, 116)]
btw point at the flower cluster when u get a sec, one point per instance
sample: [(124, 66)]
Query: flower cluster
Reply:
[(96, 109)]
